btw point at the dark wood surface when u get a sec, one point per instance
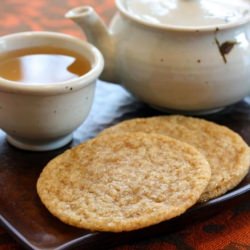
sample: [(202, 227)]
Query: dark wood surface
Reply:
[(25, 217)]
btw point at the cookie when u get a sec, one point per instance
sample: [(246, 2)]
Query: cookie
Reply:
[(226, 152), (123, 182)]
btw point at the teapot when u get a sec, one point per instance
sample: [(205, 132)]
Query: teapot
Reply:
[(178, 55)]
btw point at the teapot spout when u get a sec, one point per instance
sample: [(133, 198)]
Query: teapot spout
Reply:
[(97, 34)]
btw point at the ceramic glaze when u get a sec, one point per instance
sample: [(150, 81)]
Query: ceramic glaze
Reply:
[(190, 56), (188, 12)]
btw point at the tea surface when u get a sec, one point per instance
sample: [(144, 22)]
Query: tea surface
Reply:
[(42, 65)]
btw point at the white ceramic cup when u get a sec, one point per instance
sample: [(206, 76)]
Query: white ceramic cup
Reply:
[(42, 117)]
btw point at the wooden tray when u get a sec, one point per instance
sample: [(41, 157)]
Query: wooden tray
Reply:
[(23, 215)]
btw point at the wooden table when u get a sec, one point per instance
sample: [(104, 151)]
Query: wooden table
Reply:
[(229, 229)]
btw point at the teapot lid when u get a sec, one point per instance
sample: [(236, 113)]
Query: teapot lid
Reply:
[(187, 13)]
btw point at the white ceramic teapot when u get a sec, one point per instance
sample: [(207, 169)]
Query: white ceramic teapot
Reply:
[(185, 55)]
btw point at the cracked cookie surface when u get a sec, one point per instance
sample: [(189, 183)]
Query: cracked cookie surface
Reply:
[(226, 152), (123, 182)]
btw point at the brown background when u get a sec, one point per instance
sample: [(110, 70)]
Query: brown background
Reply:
[(228, 230)]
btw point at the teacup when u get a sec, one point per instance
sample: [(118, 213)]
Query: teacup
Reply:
[(43, 116)]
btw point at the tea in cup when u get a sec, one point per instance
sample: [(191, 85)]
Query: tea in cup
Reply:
[(36, 65), (47, 85)]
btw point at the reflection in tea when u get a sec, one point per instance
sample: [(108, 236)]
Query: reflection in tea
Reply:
[(43, 64)]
